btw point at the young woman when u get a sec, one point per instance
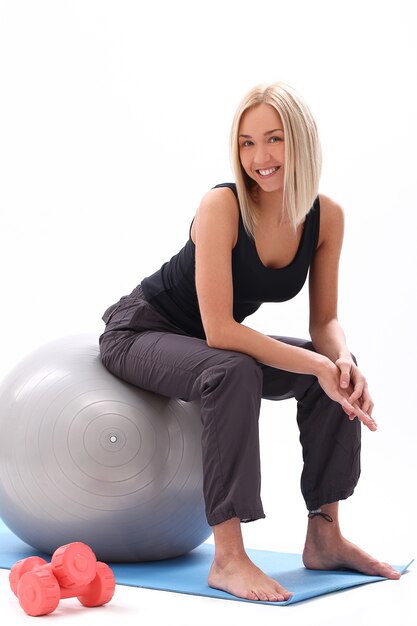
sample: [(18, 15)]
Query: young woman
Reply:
[(180, 333)]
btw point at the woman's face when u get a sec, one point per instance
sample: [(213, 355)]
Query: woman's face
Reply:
[(261, 146)]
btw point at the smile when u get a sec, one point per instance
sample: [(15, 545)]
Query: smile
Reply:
[(268, 172)]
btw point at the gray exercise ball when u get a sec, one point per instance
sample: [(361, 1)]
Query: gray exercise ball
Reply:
[(85, 456)]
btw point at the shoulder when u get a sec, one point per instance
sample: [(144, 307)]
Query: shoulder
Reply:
[(218, 206), (220, 196), (332, 219)]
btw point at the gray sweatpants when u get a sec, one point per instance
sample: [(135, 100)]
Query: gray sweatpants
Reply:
[(141, 346)]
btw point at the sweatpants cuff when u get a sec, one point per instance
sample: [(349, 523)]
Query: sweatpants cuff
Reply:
[(224, 514), (328, 498)]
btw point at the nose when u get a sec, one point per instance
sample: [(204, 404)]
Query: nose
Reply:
[(262, 155)]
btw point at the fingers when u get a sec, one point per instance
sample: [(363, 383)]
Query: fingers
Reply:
[(368, 407), (360, 390), (355, 401), (344, 376), (357, 393), (364, 400), (360, 394), (355, 411)]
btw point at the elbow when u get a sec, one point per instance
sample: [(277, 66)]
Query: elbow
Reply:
[(318, 326), (312, 329), (216, 337), (213, 340)]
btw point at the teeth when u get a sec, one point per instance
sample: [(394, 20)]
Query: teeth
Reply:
[(267, 172)]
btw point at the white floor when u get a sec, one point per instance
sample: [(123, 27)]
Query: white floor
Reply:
[(385, 603)]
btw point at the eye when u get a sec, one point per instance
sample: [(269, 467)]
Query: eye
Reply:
[(274, 139), (246, 143)]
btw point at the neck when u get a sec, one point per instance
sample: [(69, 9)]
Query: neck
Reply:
[(269, 204)]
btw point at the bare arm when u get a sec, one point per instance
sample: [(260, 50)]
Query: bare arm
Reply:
[(326, 333)]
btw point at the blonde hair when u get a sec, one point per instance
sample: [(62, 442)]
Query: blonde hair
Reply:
[(302, 153)]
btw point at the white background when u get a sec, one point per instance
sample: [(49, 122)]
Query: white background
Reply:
[(114, 121)]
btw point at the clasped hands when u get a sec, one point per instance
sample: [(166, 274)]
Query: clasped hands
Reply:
[(344, 382)]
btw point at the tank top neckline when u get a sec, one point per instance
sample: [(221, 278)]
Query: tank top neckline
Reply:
[(284, 267)]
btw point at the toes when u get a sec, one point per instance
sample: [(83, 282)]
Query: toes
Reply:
[(251, 595), (270, 596), (385, 570), (275, 597), (262, 596), (389, 571), (279, 594), (283, 594)]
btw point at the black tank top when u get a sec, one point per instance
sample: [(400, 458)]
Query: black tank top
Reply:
[(171, 290)]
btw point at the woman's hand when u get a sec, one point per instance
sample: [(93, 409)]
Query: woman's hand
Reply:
[(351, 375), (354, 396)]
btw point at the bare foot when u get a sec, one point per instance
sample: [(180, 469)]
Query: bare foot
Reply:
[(334, 552), (242, 578)]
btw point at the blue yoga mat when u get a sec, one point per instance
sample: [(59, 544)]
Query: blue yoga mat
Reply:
[(188, 574)]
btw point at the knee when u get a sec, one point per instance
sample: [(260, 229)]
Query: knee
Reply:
[(245, 367), (237, 372)]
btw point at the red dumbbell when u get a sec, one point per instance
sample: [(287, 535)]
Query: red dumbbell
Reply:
[(73, 572)]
